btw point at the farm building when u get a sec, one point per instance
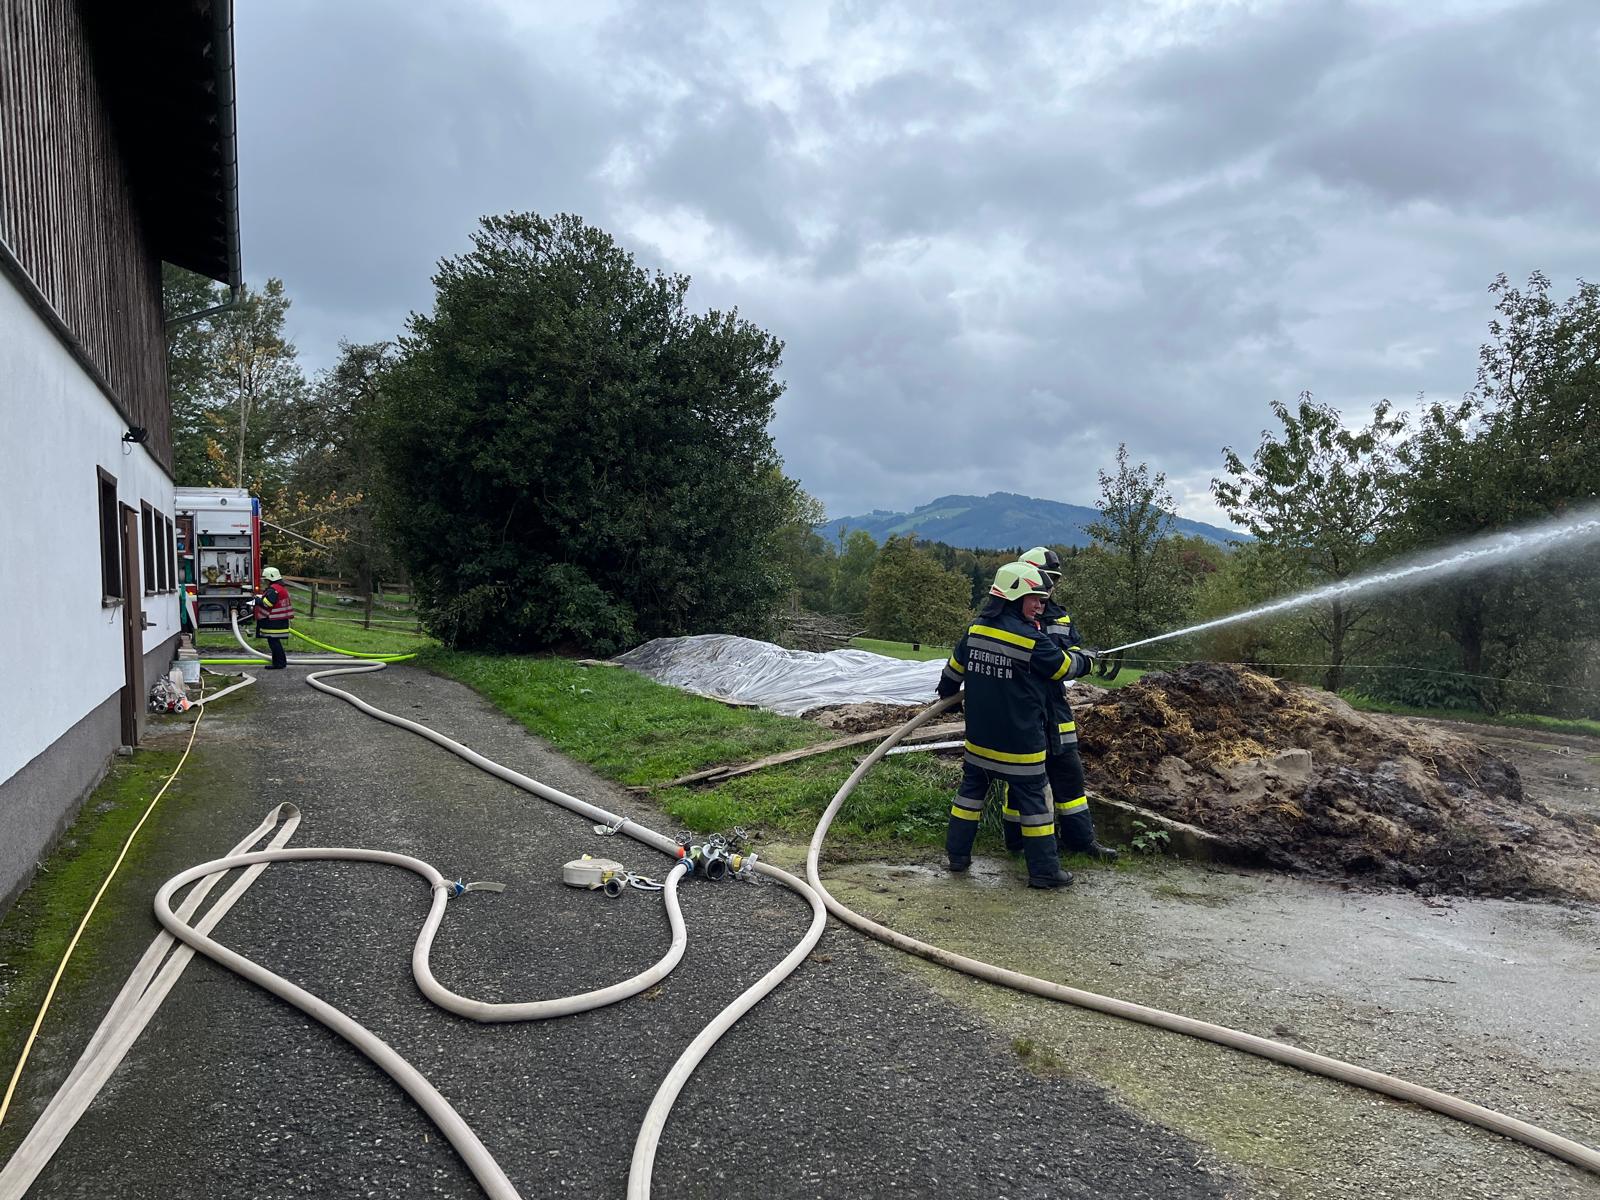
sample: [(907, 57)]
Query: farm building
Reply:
[(116, 154)]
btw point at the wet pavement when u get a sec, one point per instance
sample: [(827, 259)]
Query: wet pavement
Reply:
[(859, 1077), (1494, 1001)]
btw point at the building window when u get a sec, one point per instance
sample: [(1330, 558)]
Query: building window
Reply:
[(110, 541), (147, 543), (169, 570), (163, 572)]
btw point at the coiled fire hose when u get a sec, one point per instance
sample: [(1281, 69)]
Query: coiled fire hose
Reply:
[(649, 1137), (1318, 1064), (111, 1042)]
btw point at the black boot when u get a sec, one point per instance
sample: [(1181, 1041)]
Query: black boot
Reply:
[(1062, 878), (958, 840), (1044, 865), (1103, 853)]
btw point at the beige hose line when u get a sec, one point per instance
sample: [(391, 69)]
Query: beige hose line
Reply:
[(650, 1129), (1318, 1064), (146, 987)]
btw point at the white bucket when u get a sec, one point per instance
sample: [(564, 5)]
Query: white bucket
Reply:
[(190, 669)]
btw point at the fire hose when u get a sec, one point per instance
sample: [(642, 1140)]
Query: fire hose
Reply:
[(644, 1151), (111, 1042), (1318, 1064), (477, 1157)]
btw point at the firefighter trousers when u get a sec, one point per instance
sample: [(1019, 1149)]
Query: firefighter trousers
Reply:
[(1035, 824), (1074, 825), (275, 640)]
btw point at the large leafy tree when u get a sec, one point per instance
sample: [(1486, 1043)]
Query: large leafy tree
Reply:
[(572, 457), (912, 598), (325, 505), (1136, 585), (1520, 446), (235, 380), (809, 558), (858, 553), (1321, 498)]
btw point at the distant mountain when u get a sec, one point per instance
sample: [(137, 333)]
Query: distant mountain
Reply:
[(1002, 520)]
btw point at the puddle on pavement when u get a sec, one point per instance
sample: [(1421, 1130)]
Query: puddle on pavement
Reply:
[(1490, 1000)]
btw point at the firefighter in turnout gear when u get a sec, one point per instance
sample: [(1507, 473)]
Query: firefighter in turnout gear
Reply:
[(273, 612), (1008, 667), (1063, 764)]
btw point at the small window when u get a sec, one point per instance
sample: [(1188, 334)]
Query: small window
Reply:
[(147, 545), (110, 541), (159, 549), (169, 568)]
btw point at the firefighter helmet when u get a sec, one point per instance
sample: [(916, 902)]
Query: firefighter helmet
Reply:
[(1047, 560), (272, 575), (1018, 579)]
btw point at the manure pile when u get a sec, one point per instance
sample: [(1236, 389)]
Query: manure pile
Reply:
[(1297, 779)]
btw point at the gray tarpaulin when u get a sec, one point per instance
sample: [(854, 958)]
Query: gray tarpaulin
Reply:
[(785, 681)]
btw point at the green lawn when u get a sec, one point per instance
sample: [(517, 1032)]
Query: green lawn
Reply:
[(899, 649), (1515, 720), (334, 633), (641, 733), (1124, 677)]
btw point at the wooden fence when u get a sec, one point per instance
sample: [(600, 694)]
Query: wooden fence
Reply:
[(339, 601)]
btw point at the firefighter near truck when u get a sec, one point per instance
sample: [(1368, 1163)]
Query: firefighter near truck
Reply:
[(219, 553)]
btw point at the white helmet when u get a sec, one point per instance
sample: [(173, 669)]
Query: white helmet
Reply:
[(1047, 560), (1018, 579), (272, 575)]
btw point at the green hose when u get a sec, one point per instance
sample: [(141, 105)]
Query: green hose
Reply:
[(353, 653)]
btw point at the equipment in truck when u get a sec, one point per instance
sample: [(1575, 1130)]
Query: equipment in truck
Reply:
[(219, 550)]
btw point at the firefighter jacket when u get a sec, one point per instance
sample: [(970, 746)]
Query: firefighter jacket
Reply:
[(1059, 626), (1060, 725), (1008, 668), (274, 610)]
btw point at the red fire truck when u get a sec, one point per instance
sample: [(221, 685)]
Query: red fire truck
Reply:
[(219, 551)]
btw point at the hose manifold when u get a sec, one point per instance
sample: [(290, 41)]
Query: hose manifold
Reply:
[(710, 861)]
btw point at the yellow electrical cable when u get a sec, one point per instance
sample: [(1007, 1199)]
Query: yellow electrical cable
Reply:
[(27, 1047), (388, 657)]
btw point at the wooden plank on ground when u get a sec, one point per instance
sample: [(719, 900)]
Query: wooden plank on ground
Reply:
[(719, 773)]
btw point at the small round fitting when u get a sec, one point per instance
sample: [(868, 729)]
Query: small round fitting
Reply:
[(612, 885)]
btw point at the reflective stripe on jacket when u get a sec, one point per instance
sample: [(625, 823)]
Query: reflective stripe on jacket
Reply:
[(1008, 669), (278, 609), (1060, 726)]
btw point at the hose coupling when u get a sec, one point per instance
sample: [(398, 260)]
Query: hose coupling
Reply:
[(710, 860), (459, 888)]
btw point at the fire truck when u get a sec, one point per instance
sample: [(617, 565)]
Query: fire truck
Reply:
[(219, 552)]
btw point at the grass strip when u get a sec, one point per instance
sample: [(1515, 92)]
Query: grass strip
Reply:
[(335, 633), (1578, 725), (35, 932), (641, 733)]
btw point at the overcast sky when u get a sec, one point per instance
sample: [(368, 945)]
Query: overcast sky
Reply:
[(997, 241)]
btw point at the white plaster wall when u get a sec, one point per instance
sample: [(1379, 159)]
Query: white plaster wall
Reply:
[(60, 651)]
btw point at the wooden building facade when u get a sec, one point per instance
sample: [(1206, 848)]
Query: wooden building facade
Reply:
[(116, 154)]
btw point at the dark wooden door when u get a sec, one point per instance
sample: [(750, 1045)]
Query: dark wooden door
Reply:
[(132, 630)]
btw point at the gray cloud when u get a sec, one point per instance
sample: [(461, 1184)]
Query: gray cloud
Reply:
[(996, 242)]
